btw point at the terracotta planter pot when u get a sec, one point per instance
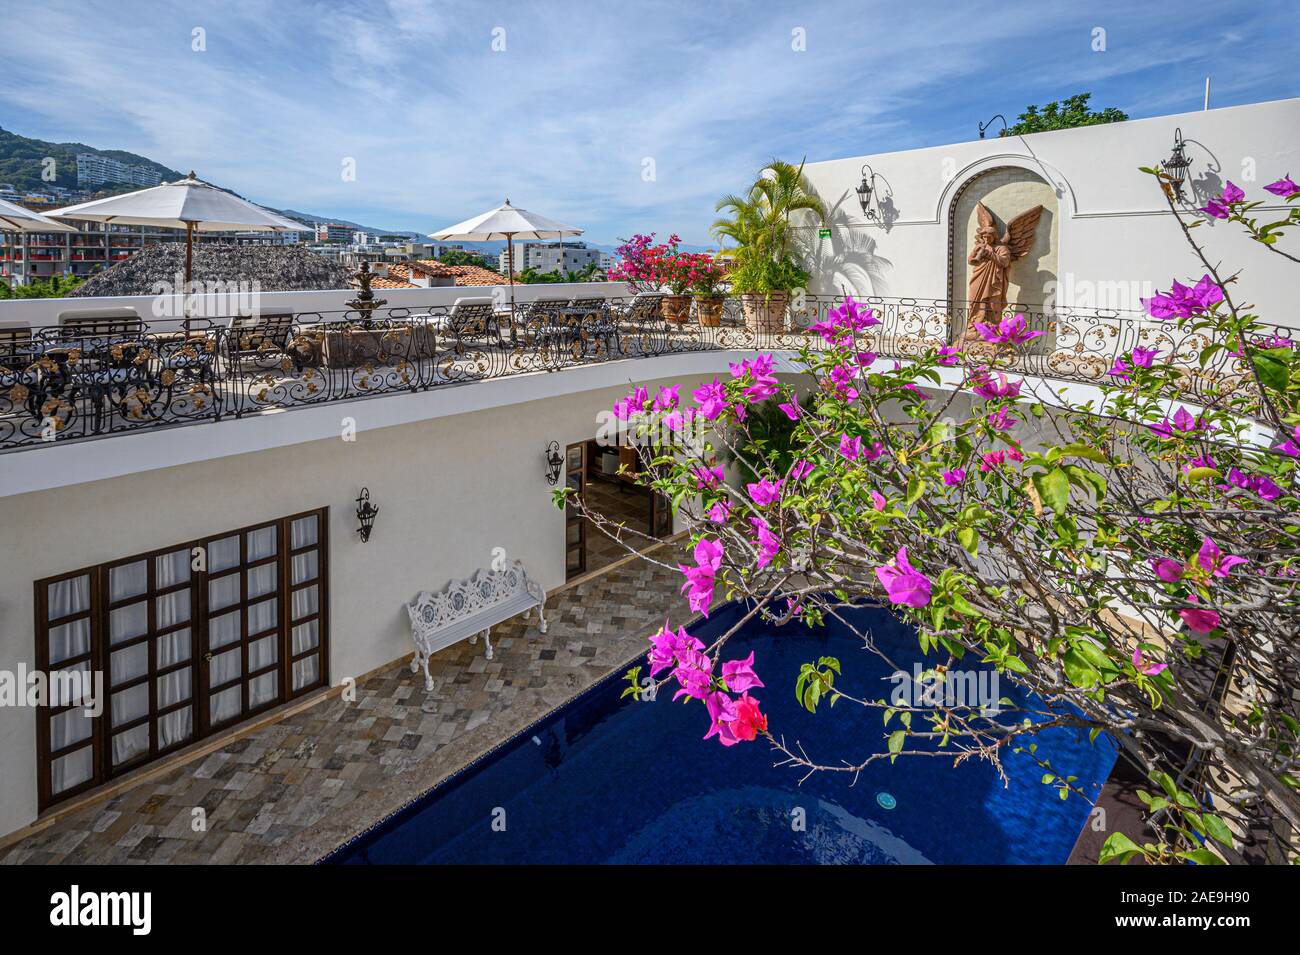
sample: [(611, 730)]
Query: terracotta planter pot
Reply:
[(765, 313), (676, 308), (709, 310)]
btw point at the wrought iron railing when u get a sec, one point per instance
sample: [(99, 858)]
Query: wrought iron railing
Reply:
[(113, 376)]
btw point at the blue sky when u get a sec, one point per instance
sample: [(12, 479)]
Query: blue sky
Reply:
[(565, 118)]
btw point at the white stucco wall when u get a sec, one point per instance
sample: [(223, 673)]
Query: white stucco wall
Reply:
[(450, 486), (1116, 234)]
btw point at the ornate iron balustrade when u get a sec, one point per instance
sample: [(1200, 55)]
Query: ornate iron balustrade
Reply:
[(60, 384)]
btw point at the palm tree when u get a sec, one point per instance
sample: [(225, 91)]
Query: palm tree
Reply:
[(760, 220)]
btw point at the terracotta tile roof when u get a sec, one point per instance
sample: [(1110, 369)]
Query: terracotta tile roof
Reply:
[(381, 282), (466, 274)]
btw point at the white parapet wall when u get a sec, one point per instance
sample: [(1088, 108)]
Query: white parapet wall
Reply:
[(1109, 237)]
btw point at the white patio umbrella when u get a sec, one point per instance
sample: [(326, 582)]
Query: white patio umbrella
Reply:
[(189, 204), (14, 218), (506, 222)]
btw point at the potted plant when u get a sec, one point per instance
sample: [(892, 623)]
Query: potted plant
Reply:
[(708, 273), (674, 273), (766, 271), (647, 266)]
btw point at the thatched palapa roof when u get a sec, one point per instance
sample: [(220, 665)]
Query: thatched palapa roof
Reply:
[(275, 268)]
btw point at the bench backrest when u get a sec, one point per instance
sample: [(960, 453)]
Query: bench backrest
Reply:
[(250, 333), (469, 597)]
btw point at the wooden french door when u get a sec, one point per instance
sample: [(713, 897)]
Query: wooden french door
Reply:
[(575, 525), (189, 640)]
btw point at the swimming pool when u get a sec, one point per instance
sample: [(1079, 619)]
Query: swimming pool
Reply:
[(604, 780)]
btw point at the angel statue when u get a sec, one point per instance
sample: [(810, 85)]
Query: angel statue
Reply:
[(991, 258)]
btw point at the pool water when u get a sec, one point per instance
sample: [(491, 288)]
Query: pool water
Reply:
[(605, 780)]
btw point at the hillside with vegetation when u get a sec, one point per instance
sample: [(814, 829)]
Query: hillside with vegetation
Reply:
[(22, 162)]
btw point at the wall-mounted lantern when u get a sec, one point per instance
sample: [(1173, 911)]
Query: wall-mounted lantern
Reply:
[(365, 514), (1176, 165), (985, 126), (866, 189), (554, 461)]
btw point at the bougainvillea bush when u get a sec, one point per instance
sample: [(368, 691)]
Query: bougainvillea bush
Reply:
[(1130, 556)]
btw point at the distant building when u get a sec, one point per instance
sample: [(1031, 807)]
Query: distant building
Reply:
[(333, 232), (96, 170), (555, 256)]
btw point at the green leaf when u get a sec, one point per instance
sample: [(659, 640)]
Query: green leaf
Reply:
[(1079, 671), (896, 739), (969, 539), (1118, 848), (1054, 489), (1201, 857), (915, 488), (1272, 368)]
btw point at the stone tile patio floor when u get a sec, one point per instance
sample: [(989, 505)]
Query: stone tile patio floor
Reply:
[(293, 790)]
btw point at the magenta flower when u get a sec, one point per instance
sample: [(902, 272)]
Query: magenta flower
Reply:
[(749, 722), (766, 543), (844, 321), (1182, 421), (801, 469), (1120, 369), (1291, 445), (701, 579), (1001, 420), (633, 404), (1010, 331), (739, 675), (720, 512), (763, 383), (850, 448), (954, 477), (1284, 187), (792, 409), (666, 645), (948, 356), (722, 710), (1214, 562), (1167, 569), (1219, 205), (667, 398), (1265, 487), (864, 358), (1144, 357), (694, 673), (876, 451), (878, 500), (712, 398), (1198, 620), (1183, 302), (994, 386), (764, 492), (992, 460), (707, 477), (904, 583), (1151, 670)]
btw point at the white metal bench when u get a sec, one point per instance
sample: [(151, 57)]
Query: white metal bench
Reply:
[(470, 607)]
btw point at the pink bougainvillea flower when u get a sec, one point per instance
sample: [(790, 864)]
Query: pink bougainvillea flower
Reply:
[(706, 477), (764, 492), (801, 469), (904, 583), (749, 721), (701, 579), (878, 500), (739, 675), (1120, 369), (665, 646), (1144, 357), (667, 398), (865, 358), (850, 447), (1183, 302), (1283, 187), (875, 452), (954, 477), (992, 460), (1291, 445), (763, 383), (1152, 670), (844, 321), (1259, 484), (792, 409), (766, 543), (1012, 330), (994, 386), (633, 404), (1214, 562), (1182, 422), (1198, 620), (948, 356), (712, 398), (722, 711), (1002, 420), (694, 673), (1219, 206), (1167, 569), (720, 512)]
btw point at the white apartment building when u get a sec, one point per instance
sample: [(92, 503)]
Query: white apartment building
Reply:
[(95, 170)]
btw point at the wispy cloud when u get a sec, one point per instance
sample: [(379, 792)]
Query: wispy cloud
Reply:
[(448, 107)]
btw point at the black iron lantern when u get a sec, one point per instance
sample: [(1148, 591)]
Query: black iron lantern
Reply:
[(1176, 165), (554, 461), (985, 126), (866, 189), (365, 514)]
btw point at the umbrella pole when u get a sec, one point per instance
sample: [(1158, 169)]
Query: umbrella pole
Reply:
[(510, 276), (189, 270)]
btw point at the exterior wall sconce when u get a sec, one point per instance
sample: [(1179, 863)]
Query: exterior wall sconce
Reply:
[(1176, 165), (866, 189), (985, 126), (365, 514), (554, 461)]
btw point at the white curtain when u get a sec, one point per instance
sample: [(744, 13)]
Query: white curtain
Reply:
[(223, 591), (172, 648), (175, 727), (223, 554), (172, 569), (127, 622), (131, 743), (305, 602), (129, 580), (305, 566), (262, 543), (223, 630), (261, 580), (222, 706), (306, 672), (306, 636), (302, 532)]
